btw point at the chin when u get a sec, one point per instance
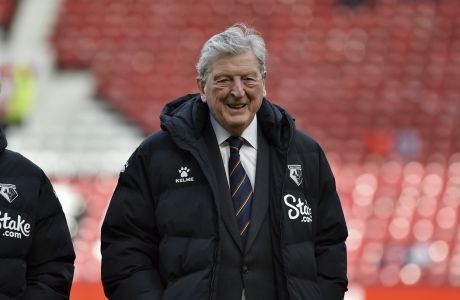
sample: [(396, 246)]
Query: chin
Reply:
[(237, 125)]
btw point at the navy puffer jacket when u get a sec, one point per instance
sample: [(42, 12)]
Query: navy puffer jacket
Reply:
[(160, 237), (36, 252)]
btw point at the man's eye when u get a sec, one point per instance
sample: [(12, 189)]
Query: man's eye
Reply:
[(250, 81), (223, 81)]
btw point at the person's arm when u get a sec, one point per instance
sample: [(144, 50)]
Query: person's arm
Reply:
[(331, 256), (50, 262), (129, 243)]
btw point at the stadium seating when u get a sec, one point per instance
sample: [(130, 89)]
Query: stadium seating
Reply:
[(402, 217), (345, 74)]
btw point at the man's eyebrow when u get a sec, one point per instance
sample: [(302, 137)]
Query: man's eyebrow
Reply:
[(251, 73)]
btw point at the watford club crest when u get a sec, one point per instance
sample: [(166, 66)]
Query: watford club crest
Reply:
[(295, 172), (8, 191)]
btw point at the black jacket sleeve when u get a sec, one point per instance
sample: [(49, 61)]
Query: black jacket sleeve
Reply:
[(331, 256), (129, 244), (50, 263)]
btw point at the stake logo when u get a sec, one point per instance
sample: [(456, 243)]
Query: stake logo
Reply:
[(13, 228), (298, 208)]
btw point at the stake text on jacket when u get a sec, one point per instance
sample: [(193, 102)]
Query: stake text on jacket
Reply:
[(298, 208), (14, 228)]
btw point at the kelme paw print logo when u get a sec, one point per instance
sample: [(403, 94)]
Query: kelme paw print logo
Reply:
[(183, 171)]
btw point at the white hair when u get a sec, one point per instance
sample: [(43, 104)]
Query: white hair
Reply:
[(237, 39)]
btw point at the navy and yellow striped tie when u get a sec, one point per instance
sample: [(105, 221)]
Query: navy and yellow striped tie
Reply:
[(240, 187)]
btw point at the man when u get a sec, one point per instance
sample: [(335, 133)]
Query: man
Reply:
[(36, 252), (228, 201)]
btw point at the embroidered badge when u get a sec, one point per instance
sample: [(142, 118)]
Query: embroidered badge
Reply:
[(295, 172), (8, 191)]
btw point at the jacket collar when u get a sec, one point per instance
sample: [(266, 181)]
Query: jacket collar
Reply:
[(3, 142), (277, 125), (185, 119)]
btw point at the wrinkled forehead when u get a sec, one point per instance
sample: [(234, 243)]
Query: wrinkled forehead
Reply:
[(235, 64)]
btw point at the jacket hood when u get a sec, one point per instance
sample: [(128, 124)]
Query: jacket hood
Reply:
[(3, 142), (186, 117)]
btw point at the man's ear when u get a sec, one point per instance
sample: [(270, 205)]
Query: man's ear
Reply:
[(200, 83)]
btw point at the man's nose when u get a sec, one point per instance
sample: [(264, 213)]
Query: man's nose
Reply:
[(238, 88)]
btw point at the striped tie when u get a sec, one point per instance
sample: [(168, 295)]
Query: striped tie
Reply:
[(240, 187)]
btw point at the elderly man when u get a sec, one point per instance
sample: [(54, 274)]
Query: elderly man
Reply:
[(229, 200)]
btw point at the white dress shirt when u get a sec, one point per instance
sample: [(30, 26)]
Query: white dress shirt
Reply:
[(248, 152)]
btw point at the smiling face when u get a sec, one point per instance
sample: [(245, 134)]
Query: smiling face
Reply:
[(234, 91)]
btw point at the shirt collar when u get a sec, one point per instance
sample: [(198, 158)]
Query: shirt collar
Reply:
[(249, 134)]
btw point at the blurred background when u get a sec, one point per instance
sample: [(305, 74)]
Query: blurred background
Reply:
[(376, 82)]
